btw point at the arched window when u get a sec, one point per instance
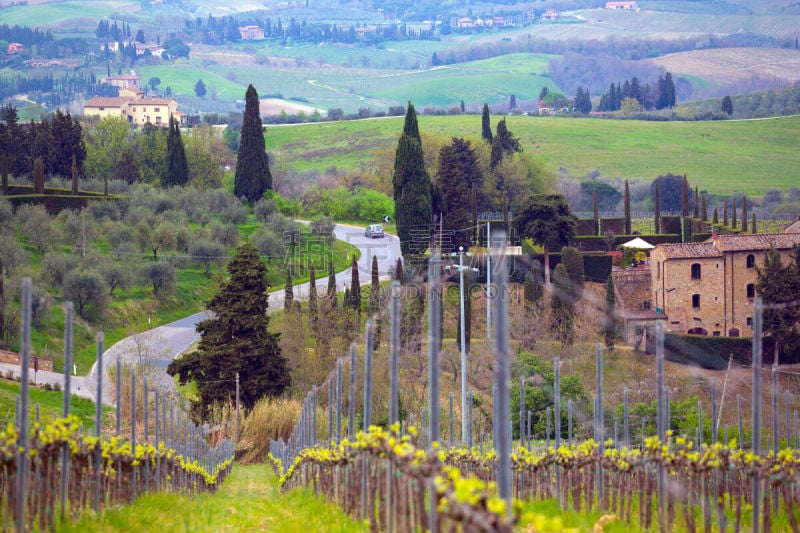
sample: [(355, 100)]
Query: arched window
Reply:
[(751, 261), (751, 290), (695, 270), (695, 300)]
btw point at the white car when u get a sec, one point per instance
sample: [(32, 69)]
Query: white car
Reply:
[(374, 230)]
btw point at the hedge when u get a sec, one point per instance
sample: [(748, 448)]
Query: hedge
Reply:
[(614, 225), (56, 204), (596, 267), (587, 243), (585, 226), (708, 351), (27, 190)]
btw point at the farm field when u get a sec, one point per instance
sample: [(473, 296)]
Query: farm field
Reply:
[(712, 154), (728, 65)]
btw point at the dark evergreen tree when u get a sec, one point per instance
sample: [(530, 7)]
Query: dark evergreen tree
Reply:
[(595, 212), (583, 101), (463, 107), (398, 270), (547, 221), (610, 329), (563, 312), (200, 89), (533, 290), (38, 176), (734, 222), (703, 207), (753, 228), (236, 341), (503, 143), (486, 124), (413, 203), (459, 175), (4, 177), (355, 286), (627, 204), (715, 220), (696, 212), (375, 302), (253, 177), (685, 197), (177, 166), (727, 105), (744, 214), (572, 260), (331, 294), (778, 285), (288, 293), (512, 102), (313, 305), (725, 213), (657, 209), (74, 175)]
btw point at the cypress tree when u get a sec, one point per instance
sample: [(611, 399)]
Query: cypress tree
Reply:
[(703, 207), (458, 171), (331, 286), (503, 143), (355, 286), (38, 176), (733, 215), (177, 167), (696, 204), (486, 124), (398, 271), (74, 173), (412, 189), (288, 293), (375, 303), (563, 322), (627, 200), (610, 330), (725, 213), (595, 212), (253, 177), (657, 209), (715, 221), (744, 214), (313, 306), (4, 174), (236, 340), (753, 227), (685, 197)]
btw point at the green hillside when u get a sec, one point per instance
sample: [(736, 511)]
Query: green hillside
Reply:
[(720, 157)]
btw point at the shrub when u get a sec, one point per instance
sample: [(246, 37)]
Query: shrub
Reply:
[(270, 418)]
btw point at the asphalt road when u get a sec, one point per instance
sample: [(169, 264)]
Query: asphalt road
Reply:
[(158, 346)]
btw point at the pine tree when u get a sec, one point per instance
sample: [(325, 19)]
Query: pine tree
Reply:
[(744, 214), (657, 209), (412, 189), (486, 124), (627, 203), (610, 330), (288, 293), (236, 341), (253, 177), (200, 89), (177, 166)]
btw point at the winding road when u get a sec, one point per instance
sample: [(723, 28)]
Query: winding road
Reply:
[(162, 344)]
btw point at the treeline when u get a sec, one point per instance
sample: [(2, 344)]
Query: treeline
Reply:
[(55, 90), (659, 96), (226, 29), (24, 35), (56, 140)]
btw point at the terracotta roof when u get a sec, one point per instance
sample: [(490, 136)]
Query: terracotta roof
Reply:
[(107, 101), (756, 241), (688, 250)]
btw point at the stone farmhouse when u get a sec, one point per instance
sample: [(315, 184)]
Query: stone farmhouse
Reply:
[(251, 33), (701, 288), (627, 6), (135, 107), (707, 288)]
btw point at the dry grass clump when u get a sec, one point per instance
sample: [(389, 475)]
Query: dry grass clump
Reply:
[(270, 418)]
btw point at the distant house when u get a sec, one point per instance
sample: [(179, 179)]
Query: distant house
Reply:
[(627, 6), (465, 22), (550, 14), (123, 81), (794, 227), (498, 21), (251, 33), (13, 48), (135, 108)]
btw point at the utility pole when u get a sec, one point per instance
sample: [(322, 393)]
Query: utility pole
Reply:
[(488, 281)]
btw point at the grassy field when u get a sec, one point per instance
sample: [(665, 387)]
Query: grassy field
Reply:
[(51, 404), (249, 500), (720, 157)]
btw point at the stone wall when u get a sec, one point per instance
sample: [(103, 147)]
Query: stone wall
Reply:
[(13, 358)]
